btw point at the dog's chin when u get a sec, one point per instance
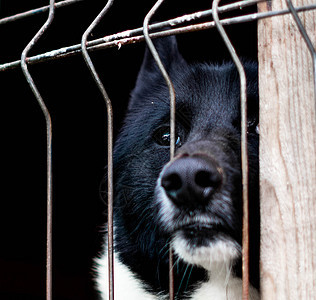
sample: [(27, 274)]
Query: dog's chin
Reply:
[(207, 252)]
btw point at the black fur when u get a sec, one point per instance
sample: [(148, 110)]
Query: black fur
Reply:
[(208, 121)]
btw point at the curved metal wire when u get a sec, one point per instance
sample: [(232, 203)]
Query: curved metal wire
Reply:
[(131, 36), (108, 103), (49, 146), (172, 115), (244, 151), (163, 72), (35, 11), (306, 39)]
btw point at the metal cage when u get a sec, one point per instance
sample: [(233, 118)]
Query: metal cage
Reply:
[(193, 22)]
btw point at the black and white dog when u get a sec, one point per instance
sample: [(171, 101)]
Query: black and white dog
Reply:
[(194, 201)]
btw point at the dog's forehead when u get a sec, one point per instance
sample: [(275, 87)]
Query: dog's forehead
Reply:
[(210, 93)]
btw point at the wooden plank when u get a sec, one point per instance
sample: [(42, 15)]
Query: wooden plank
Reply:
[(287, 156)]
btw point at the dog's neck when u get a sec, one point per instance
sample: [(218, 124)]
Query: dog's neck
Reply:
[(221, 284)]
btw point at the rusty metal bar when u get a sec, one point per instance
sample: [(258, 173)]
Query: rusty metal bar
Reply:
[(306, 39), (125, 38), (244, 151), (35, 11), (49, 146), (172, 116), (164, 74), (108, 103), (175, 21)]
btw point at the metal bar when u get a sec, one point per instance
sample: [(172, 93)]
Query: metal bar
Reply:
[(35, 11), (121, 39), (306, 38), (107, 100), (164, 74), (175, 21), (172, 116), (244, 151), (49, 147)]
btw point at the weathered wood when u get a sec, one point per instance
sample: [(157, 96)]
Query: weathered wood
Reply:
[(287, 156)]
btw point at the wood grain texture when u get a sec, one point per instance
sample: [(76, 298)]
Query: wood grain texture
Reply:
[(287, 156)]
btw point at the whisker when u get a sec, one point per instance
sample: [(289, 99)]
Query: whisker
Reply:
[(186, 286), (185, 272)]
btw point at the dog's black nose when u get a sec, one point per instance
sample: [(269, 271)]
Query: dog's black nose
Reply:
[(190, 181)]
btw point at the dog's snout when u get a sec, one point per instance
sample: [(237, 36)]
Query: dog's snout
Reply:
[(191, 181)]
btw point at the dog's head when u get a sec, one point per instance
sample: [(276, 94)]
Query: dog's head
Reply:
[(193, 201)]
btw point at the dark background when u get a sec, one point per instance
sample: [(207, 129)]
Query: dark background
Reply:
[(79, 136)]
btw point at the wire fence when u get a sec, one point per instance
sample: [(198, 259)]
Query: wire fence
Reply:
[(180, 25)]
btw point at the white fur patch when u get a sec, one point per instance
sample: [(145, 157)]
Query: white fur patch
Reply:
[(217, 258), (223, 287), (219, 252), (126, 285)]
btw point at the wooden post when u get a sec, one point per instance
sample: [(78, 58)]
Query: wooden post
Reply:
[(287, 156)]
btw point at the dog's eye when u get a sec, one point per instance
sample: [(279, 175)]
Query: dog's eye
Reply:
[(162, 136), (253, 114), (253, 126)]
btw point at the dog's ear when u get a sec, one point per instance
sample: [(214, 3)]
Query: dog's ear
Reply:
[(168, 52), (149, 73)]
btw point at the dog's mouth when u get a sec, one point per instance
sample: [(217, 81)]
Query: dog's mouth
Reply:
[(205, 244), (201, 234), (206, 230)]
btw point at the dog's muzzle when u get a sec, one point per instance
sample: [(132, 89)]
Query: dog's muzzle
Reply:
[(190, 194), (191, 181)]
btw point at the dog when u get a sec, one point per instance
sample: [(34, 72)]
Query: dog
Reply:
[(194, 201)]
